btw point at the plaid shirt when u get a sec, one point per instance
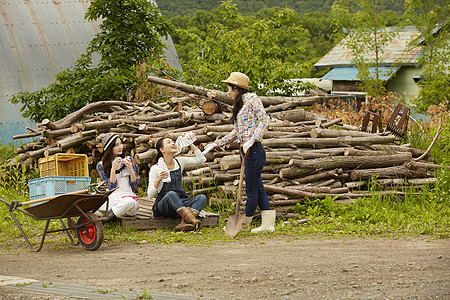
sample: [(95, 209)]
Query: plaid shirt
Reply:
[(111, 185), (252, 121)]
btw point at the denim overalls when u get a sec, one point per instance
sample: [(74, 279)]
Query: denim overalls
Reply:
[(172, 197)]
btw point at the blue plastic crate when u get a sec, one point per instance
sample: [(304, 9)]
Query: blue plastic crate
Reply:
[(56, 185)]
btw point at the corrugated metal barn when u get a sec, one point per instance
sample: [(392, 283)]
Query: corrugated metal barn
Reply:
[(39, 39)]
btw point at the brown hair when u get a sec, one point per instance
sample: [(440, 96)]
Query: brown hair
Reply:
[(107, 157), (238, 102), (158, 146)]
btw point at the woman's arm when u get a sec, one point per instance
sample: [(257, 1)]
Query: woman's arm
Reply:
[(134, 172), (153, 182), (192, 161), (154, 179), (231, 136), (101, 172), (261, 117)]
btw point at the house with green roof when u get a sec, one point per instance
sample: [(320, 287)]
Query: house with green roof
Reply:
[(400, 69)]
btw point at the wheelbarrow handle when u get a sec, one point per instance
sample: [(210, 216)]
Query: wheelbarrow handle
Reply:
[(15, 204)]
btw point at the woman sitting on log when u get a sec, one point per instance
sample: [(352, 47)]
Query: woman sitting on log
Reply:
[(118, 171), (165, 179), (250, 121)]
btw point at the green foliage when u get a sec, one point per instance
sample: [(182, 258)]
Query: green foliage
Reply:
[(130, 34), (367, 37), (431, 18), (249, 47), (6, 152), (248, 7)]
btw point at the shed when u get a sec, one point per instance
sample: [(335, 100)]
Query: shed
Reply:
[(39, 39), (400, 65)]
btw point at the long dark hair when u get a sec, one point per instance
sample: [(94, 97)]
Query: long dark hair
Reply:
[(238, 102), (107, 157), (158, 146)]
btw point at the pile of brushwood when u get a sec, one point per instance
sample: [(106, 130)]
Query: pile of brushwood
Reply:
[(307, 154)]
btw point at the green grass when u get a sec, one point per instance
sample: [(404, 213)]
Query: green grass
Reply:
[(424, 212), (377, 216)]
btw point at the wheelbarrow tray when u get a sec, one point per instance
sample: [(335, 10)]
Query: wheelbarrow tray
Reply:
[(65, 206)]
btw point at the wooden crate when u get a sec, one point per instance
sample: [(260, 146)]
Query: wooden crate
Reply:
[(63, 164)]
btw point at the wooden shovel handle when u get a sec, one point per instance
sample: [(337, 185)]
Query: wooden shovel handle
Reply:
[(241, 179), (53, 197)]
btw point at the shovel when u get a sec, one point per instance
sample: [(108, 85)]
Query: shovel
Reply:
[(234, 223)]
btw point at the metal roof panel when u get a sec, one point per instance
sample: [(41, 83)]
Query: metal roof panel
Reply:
[(351, 73), (397, 51)]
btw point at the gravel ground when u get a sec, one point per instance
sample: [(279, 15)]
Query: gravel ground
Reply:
[(256, 268)]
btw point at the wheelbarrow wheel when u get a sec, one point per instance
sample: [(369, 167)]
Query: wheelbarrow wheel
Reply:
[(90, 236)]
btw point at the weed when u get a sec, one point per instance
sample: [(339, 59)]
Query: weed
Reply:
[(104, 291), (23, 284), (145, 295)]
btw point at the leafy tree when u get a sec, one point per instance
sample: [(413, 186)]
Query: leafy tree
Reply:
[(367, 37), (235, 44), (130, 34), (431, 19), (247, 7)]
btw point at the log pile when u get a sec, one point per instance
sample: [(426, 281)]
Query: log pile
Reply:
[(305, 157)]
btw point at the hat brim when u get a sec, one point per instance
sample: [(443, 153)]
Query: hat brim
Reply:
[(235, 83)]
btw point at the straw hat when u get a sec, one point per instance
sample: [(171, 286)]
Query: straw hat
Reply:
[(238, 79)]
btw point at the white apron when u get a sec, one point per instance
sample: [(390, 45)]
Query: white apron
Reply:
[(122, 201)]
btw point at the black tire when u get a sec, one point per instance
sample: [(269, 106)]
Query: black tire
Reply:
[(90, 236)]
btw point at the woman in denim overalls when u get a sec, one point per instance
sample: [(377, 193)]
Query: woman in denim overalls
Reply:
[(250, 121), (172, 200)]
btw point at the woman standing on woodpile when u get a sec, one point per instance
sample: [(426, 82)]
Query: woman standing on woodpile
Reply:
[(118, 171), (165, 179), (250, 121)]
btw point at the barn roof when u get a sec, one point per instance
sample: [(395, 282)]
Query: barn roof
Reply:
[(39, 39)]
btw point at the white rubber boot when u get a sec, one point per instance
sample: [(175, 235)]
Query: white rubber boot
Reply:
[(268, 221)]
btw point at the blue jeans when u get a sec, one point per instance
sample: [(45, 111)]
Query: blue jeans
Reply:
[(256, 195), (171, 202)]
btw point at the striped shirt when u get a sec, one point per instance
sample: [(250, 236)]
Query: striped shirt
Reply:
[(252, 121)]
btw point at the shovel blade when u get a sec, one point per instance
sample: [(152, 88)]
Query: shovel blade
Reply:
[(234, 224)]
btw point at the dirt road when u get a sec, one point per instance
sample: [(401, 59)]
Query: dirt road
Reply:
[(255, 268)]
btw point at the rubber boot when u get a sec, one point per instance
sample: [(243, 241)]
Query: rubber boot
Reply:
[(189, 217), (196, 213), (184, 226), (268, 221)]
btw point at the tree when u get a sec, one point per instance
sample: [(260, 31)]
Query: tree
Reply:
[(431, 18), (130, 34), (364, 21), (249, 47)]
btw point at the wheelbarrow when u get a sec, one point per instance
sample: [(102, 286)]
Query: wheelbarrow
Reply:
[(89, 227)]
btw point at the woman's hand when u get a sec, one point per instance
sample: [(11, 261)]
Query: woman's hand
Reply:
[(116, 163), (162, 175), (128, 163), (209, 147), (247, 145)]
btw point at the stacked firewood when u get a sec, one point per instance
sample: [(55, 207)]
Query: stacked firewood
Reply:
[(305, 157)]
